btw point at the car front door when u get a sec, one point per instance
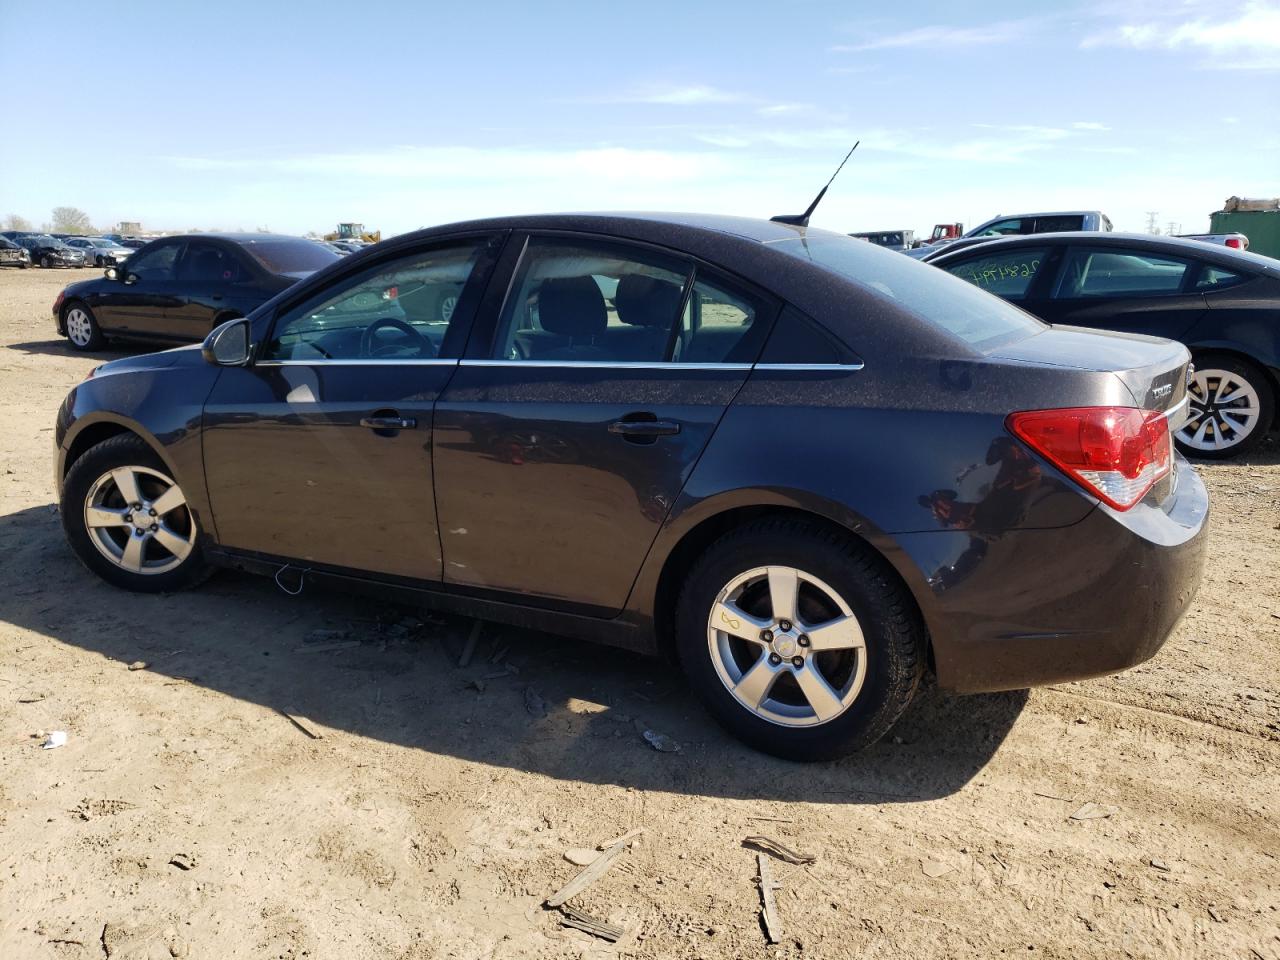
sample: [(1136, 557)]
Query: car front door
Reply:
[(574, 421), (319, 452), (1132, 290), (139, 300)]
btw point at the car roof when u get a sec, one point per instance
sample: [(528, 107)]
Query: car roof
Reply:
[(628, 222), (1225, 256)]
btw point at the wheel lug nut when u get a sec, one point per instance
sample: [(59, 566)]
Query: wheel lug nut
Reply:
[(152, 512), (137, 531), (155, 527), (784, 625), (774, 659), (797, 661), (766, 636), (803, 639)]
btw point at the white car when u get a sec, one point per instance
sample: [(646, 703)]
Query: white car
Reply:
[(99, 251)]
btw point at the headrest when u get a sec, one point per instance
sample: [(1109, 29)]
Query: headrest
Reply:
[(572, 306), (647, 301)]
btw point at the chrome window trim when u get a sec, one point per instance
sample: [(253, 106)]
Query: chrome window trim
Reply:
[(804, 367), (606, 364), (323, 362)]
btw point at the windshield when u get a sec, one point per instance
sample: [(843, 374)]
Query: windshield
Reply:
[(290, 256), (979, 319), (104, 243), (43, 240)]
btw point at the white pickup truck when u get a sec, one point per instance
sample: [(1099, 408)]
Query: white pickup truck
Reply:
[(1236, 241)]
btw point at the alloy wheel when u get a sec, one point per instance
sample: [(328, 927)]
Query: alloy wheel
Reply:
[(1224, 410), (447, 306), (139, 520), (79, 327), (787, 646)]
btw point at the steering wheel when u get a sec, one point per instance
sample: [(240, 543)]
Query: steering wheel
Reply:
[(426, 349)]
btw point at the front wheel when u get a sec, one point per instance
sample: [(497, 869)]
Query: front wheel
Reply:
[(47, 262), (128, 520), (82, 328), (801, 641), (1231, 408)]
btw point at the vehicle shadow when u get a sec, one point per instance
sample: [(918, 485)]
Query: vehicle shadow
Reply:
[(398, 680), (59, 347)]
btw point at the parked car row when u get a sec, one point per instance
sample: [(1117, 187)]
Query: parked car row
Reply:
[(68, 250)]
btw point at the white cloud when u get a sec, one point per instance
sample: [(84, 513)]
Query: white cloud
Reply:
[(1247, 38), (688, 95), (940, 36), (1089, 125)]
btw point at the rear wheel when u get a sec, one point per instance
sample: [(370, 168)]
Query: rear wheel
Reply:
[(1231, 408), (799, 640), (82, 328), (128, 520), (46, 261)]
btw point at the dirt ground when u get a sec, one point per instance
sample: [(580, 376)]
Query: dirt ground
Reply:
[(187, 816)]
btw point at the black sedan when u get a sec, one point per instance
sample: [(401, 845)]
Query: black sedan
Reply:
[(801, 465), (49, 251), (177, 289), (1222, 303)]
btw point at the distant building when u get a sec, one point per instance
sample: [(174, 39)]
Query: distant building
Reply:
[(129, 227)]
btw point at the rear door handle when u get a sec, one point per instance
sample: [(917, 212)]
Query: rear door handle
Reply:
[(388, 423), (644, 428)]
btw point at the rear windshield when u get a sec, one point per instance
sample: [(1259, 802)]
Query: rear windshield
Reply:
[(979, 319), (290, 256)]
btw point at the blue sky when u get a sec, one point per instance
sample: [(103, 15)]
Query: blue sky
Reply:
[(295, 116)]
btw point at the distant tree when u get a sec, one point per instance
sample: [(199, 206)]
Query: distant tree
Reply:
[(15, 222), (71, 220)]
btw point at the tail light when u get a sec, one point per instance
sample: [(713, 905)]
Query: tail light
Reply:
[(1116, 453), (1235, 243)]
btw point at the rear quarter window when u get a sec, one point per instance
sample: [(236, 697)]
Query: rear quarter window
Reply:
[(973, 316)]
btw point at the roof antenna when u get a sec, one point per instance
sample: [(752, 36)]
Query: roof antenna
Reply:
[(802, 219)]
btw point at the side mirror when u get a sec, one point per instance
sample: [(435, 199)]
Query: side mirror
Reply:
[(111, 274), (228, 344)]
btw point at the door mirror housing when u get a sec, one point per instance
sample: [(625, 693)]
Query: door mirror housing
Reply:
[(228, 344)]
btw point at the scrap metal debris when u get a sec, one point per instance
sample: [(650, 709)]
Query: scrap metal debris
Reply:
[(58, 738), (659, 741), (771, 846)]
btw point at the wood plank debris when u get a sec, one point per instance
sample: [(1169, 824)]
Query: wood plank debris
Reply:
[(771, 846), (303, 724), (589, 875), (584, 921), (1094, 811), (626, 838), (768, 903)]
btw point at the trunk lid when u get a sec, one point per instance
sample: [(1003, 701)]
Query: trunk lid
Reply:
[(1154, 370)]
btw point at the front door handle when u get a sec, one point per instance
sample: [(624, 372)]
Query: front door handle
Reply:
[(644, 429), (388, 423)]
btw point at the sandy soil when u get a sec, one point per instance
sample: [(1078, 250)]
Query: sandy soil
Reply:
[(187, 816)]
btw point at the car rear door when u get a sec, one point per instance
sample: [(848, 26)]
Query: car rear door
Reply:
[(320, 450), (590, 388), (208, 273), (1130, 289)]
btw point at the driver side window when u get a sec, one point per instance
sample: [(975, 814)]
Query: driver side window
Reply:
[(396, 311)]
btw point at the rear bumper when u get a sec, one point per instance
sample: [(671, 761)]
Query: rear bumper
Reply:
[(1034, 607)]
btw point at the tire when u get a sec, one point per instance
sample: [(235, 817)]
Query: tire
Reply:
[(83, 332), (47, 262), (1218, 430), (155, 562), (847, 594)]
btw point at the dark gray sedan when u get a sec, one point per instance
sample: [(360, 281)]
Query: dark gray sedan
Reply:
[(805, 468)]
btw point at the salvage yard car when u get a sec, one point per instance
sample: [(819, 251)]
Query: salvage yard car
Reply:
[(179, 288), (103, 252), (1222, 303), (13, 255), (803, 466), (49, 251)]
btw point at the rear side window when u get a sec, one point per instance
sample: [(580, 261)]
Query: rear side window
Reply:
[(933, 295), (1216, 278), (1119, 273), (586, 302), (1011, 226), (1058, 224), (798, 340), (719, 325), (1007, 275)]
